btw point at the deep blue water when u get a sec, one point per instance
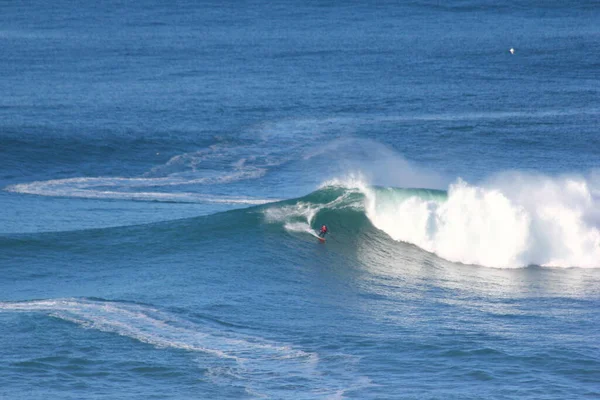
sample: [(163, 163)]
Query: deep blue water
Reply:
[(164, 167)]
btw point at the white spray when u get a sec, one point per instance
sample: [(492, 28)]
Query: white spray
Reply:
[(515, 221)]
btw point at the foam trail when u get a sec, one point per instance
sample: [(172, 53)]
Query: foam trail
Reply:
[(300, 227), (258, 151), (149, 325), (297, 217), (97, 188), (512, 222), (233, 358)]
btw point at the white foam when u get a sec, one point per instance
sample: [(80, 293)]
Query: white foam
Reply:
[(353, 181), (513, 221), (300, 216), (229, 356), (300, 227), (149, 325), (261, 148), (303, 211), (145, 324), (296, 218), (96, 188)]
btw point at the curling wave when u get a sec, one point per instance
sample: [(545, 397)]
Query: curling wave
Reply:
[(513, 222)]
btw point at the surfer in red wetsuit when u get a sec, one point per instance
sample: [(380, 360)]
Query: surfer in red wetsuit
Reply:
[(323, 231)]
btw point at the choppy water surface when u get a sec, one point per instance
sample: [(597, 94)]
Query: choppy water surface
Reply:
[(165, 167)]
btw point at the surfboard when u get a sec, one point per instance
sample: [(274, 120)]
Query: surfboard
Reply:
[(322, 240)]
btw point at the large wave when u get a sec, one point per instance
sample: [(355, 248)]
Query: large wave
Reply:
[(513, 221), (540, 221)]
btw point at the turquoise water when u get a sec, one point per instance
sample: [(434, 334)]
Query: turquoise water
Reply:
[(165, 167)]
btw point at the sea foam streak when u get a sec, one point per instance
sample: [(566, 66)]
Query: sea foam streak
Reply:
[(121, 188), (300, 227), (150, 325), (260, 149), (514, 221), (251, 356)]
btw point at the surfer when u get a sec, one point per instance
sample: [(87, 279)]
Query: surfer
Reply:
[(323, 231)]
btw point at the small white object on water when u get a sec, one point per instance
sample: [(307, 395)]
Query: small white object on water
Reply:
[(512, 51)]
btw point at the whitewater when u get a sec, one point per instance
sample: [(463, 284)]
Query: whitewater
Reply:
[(518, 222), (521, 220), (512, 220), (165, 169)]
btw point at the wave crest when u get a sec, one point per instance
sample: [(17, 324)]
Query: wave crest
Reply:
[(514, 221), (529, 221)]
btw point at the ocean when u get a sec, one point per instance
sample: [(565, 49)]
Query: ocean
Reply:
[(165, 168)]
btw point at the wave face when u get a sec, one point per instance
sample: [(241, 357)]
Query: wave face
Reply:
[(513, 222)]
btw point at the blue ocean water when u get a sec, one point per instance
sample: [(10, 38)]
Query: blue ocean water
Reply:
[(165, 166)]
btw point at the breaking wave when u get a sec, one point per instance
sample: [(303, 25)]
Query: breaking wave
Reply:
[(513, 221)]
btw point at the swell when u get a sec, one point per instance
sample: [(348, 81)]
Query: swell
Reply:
[(150, 239), (514, 222)]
